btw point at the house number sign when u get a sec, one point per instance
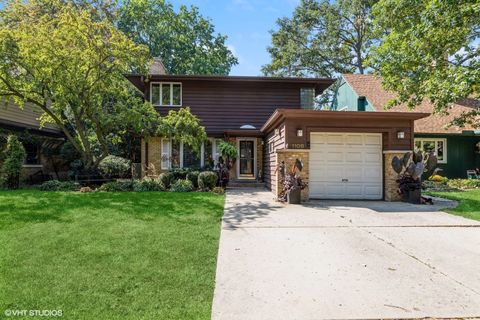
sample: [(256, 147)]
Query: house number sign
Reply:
[(296, 146)]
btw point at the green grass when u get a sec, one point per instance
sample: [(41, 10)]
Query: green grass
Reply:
[(469, 203), (109, 255)]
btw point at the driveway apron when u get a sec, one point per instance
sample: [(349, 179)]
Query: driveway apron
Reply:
[(344, 260)]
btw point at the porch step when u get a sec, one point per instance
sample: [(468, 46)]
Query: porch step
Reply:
[(245, 184)]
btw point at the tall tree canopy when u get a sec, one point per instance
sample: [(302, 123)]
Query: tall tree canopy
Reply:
[(430, 50), (71, 66), (323, 38), (185, 41)]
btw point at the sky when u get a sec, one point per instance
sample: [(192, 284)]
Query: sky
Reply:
[(247, 24)]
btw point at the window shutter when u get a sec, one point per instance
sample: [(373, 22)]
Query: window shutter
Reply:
[(166, 154)]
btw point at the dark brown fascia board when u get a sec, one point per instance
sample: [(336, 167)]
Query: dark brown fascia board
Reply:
[(282, 114), (318, 82)]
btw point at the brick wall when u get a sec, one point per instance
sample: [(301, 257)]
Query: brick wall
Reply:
[(390, 185), (152, 166), (289, 156)]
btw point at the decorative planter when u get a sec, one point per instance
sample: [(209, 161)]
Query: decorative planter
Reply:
[(294, 196), (413, 196)]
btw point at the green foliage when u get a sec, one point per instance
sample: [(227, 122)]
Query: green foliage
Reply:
[(218, 190), (166, 178), (322, 38), (185, 41), (182, 185), (207, 180), (148, 184), (70, 63), (228, 150), (14, 156), (117, 186), (429, 51), (193, 177), (184, 127), (55, 185), (464, 183), (114, 167)]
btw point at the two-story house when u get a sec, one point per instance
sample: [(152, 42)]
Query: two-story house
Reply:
[(270, 120)]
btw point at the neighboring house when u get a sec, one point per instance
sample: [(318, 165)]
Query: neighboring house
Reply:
[(345, 155), (457, 149), (24, 122)]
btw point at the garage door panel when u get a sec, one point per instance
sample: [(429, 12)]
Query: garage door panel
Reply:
[(372, 157), (335, 139), (346, 166), (373, 139), (354, 156)]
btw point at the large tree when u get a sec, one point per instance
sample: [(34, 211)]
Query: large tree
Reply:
[(184, 40), (322, 38), (430, 50), (55, 56)]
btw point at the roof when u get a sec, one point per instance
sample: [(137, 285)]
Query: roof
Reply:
[(157, 66), (370, 87), (139, 81), (280, 114)]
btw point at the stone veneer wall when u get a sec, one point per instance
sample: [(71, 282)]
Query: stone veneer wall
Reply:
[(390, 186), (152, 167), (289, 156)]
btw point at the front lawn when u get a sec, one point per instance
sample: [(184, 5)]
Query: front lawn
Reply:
[(469, 202), (109, 255)]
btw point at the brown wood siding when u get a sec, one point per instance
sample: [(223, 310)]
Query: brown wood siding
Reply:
[(225, 106), (388, 128), (270, 158), (27, 116)]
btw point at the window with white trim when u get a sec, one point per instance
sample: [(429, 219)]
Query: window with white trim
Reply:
[(166, 94), (436, 145), (178, 155)]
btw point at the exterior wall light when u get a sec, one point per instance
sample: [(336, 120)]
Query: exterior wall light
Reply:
[(277, 132), (299, 133), (401, 135)]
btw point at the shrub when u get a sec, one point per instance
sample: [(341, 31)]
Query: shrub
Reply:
[(12, 166), (180, 173), (117, 186), (207, 180), (148, 184), (463, 183), (193, 177), (218, 190), (166, 179), (438, 178), (228, 150), (55, 185), (114, 167), (182, 186)]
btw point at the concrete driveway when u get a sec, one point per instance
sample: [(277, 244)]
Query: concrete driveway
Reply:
[(344, 260)]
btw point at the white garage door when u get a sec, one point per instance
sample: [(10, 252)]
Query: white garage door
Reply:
[(346, 166)]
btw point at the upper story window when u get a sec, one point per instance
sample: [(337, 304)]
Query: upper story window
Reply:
[(307, 98), (166, 94)]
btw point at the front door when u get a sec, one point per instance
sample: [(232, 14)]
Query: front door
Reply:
[(247, 159)]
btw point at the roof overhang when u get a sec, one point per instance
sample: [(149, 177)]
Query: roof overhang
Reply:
[(244, 133), (140, 81), (281, 115)]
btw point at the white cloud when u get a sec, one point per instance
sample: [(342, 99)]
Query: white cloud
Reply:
[(243, 4)]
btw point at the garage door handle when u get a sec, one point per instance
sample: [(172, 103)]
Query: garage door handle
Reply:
[(344, 180)]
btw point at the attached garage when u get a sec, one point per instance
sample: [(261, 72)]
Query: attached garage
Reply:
[(346, 155), (346, 166)]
